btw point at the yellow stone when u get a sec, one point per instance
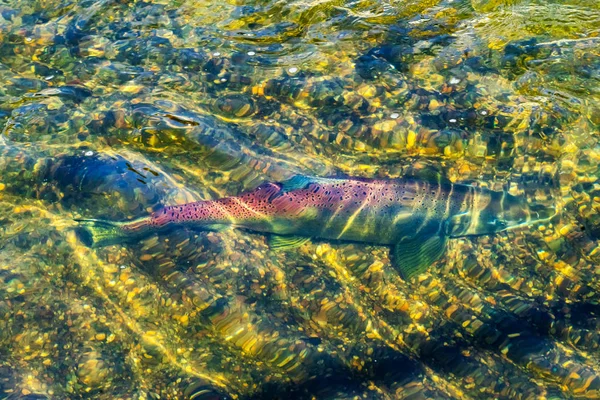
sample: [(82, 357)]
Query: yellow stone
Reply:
[(434, 105), (367, 91), (92, 52), (565, 230), (132, 88), (384, 126), (574, 375), (411, 139), (360, 146), (451, 310), (249, 346), (184, 319)]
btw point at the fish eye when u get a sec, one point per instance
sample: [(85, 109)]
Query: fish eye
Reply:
[(498, 223)]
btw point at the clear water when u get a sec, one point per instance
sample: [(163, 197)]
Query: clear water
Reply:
[(111, 109)]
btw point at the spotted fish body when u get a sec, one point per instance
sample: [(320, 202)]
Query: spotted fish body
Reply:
[(413, 216)]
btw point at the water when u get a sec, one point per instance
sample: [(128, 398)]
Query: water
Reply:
[(111, 109)]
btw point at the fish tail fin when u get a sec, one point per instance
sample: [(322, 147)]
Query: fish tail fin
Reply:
[(98, 233)]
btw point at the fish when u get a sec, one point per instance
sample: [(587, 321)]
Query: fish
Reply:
[(414, 217)]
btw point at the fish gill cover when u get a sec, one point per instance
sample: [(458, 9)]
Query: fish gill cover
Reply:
[(111, 109)]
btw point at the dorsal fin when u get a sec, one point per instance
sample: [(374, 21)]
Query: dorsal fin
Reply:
[(297, 182)]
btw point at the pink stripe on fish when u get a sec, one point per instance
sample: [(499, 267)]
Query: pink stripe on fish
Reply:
[(227, 210)]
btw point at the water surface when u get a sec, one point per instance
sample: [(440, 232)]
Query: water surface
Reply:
[(111, 109)]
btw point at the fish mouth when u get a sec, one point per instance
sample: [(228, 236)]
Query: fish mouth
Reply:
[(542, 214), (535, 216)]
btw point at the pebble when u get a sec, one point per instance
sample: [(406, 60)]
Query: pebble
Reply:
[(394, 115), (293, 70), (434, 105), (411, 139), (384, 126)]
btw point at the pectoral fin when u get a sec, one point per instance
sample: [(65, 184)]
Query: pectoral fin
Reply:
[(286, 242), (413, 257)]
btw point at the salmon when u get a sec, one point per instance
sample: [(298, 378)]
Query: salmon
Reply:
[(414, 217)]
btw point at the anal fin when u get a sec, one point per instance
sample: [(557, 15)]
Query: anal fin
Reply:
[(215, 227), (413, 257), (286, 242)]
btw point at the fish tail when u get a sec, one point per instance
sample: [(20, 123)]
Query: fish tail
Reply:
[(98, 233)]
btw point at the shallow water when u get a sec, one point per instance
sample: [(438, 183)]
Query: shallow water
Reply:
[(111, 109)]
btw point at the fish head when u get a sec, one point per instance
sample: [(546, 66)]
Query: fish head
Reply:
[(494, 212), (506, 211), (517, 212)]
